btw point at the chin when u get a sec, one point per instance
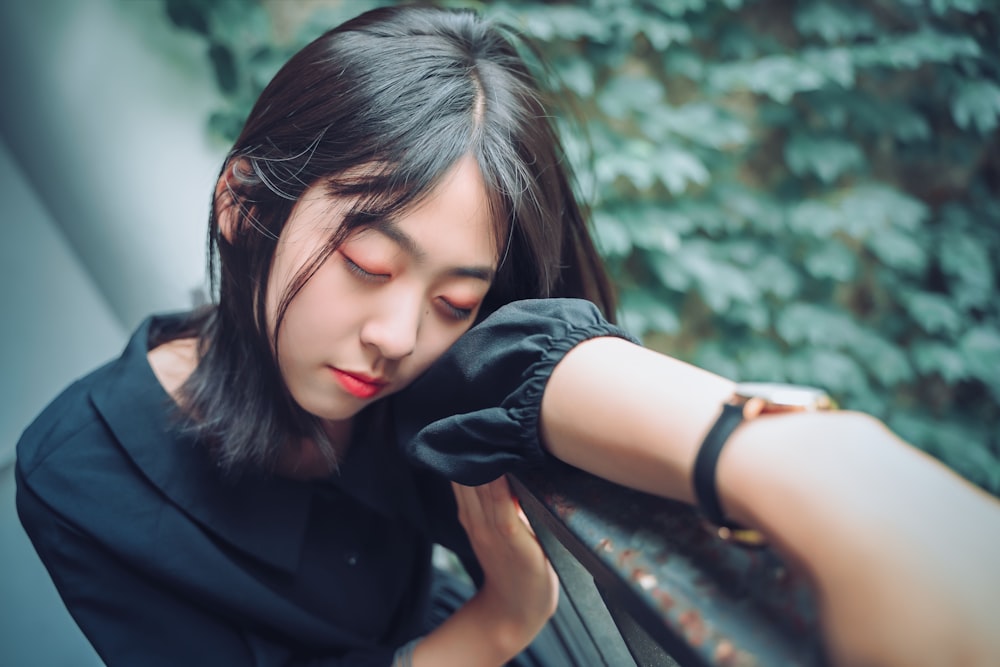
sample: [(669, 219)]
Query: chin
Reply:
[(339, 413)]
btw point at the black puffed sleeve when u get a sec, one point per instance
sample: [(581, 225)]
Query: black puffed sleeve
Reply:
[(473, 415)]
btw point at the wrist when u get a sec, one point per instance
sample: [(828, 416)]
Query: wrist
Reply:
[(508, 632), (797, 478), (476, 635)]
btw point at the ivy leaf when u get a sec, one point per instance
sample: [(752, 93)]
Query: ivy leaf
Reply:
[(653, 229), (835, 65), (833, 23), (884, 361), (719, 282), (938, 358), (188, 15), (833, 370), (977, 103), (631, 162), (913, 50), (898, 250), (224, 66), (831, 260), (662, 34), (808, 324), (546, 22), (940, 7), (723, 286), (642, 313), (576, 74), (858, 212), (685, 63), (751, 209), (827, 158), (981, 348), (677, 168), (671, 273), (612, 237), (711, 356), (967, 263), (778, 76), (773, 275), (934, 313), (625, 94), (752, 314), (876, 206), (763, 363), (816, 218), (678, 8), (702, 124)]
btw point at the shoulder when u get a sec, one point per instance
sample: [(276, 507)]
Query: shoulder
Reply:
[(77, 440), (70, 417)]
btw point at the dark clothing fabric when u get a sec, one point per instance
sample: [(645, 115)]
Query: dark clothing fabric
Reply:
[(163, 561), (474, 414)]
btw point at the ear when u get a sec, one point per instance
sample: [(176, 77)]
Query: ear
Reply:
[(227, 206)]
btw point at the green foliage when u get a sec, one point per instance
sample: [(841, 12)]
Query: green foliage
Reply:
[(796, 191)]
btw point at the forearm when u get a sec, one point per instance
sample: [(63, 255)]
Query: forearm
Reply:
[(630, 415), (810, 478), (472, 637), (638, 418), (898, 546)]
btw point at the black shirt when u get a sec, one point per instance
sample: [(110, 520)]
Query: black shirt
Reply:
[(163, 561)]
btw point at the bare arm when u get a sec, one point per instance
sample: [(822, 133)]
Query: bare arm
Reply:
[(519, 593), (902, 551)]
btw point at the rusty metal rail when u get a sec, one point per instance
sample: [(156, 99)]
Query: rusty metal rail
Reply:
[(653, 587)]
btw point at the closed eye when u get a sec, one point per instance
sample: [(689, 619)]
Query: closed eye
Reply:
[(361, 272), (455, 312)]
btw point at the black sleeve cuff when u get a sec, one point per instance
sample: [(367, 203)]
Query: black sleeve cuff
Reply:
[(473, 415)]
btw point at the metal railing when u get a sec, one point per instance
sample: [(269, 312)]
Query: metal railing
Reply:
[(652, 586)]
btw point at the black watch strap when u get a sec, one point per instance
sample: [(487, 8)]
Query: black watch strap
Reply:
[(708, 456)]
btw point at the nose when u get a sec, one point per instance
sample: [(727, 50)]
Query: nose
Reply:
[(393, 325)]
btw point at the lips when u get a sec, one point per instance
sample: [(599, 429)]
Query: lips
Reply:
[(358, 384)]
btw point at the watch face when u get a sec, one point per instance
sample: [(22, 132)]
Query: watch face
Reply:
[(785, 395)]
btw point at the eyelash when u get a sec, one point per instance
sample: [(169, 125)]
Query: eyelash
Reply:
[(457, 313), (356, 269), (454, 312)]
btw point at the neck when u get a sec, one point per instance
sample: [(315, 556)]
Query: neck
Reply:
[(303, 459)]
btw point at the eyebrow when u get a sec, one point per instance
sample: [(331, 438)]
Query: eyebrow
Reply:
[(390, 229)]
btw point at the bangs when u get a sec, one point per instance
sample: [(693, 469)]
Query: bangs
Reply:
[(388, 191)]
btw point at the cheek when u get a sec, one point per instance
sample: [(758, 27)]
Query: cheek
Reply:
[(322, 312), (439, 340)]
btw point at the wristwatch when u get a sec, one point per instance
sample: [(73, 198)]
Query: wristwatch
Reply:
[(749, 401)]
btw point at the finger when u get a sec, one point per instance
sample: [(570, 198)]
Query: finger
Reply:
[(514, 509), (498, 502), (524, 519), (470, 511)]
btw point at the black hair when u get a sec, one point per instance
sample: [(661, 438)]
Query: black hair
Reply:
[(376, 110)]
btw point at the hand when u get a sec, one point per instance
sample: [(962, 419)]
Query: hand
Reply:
[(521, 589), (902, 551)]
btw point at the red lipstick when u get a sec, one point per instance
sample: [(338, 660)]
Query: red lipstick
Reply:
[(361, 386)]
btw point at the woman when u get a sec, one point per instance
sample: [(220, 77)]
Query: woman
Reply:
[(262, 481)]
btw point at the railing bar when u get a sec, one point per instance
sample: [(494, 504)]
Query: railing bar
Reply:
[(646, 651), (607, 580), (607, 647)]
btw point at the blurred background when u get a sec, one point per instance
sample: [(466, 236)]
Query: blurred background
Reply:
[(803, 191)]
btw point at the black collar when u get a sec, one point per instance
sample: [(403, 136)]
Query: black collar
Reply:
[(265, 516)]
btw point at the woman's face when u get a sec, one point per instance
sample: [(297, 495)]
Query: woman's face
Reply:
[(387, 302)]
